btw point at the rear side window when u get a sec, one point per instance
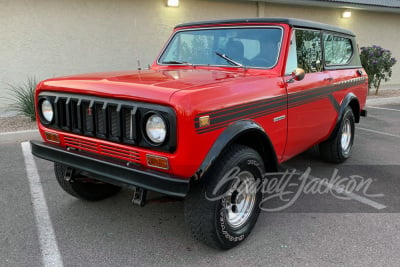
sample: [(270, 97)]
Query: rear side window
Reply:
[(338, 49)]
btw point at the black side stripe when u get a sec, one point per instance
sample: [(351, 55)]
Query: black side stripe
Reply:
[(239, 113), (294, 99), (242, 107), (222, 117), (252, 116), (335, 104)]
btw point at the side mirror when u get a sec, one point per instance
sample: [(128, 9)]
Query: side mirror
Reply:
[(297, 75)]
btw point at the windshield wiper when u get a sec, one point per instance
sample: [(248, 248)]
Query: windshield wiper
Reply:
[(233, 62), (175, 62)]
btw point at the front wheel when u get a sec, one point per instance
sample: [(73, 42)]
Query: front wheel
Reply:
[(84, 188), (338, 148), (223, 208)]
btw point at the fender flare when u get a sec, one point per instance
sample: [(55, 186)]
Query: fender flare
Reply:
[(345, 103), (228, 136)]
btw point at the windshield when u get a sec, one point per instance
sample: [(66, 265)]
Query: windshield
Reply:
[(248, 47)]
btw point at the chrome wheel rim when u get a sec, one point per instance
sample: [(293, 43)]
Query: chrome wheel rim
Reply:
[(346, 136), (240, 200)]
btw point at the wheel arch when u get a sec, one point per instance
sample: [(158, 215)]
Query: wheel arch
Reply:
[(350, 100), (244, 132)]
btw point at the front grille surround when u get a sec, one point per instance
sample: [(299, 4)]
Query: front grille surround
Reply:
[(110, 119)]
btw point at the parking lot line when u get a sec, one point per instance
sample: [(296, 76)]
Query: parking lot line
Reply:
[(48, 244), (378, 132), (391, 109), (354, 196)]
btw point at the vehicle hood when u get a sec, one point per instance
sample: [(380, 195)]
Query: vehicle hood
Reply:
[(149, 85)]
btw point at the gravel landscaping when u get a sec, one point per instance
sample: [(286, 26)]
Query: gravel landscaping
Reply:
[(384, 93), (16, 123)]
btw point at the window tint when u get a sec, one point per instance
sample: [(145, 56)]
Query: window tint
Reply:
[(338, 50), (309, 52)]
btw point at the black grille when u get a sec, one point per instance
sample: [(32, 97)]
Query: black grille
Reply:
[(108, 119), (88, 118), (103, 118), (115, 118)]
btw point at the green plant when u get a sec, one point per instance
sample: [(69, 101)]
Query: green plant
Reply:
[(22, 97), (378, 63)]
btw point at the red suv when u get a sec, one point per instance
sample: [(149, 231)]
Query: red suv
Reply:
[(224, 103)]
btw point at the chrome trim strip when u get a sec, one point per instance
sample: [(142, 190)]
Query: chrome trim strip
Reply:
[(282, 117)]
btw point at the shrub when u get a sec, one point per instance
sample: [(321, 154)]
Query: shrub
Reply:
[(378, 63), (22, 97)]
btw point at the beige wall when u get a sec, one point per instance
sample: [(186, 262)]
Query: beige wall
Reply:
[(48, 38)]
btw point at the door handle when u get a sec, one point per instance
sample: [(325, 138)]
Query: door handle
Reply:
[(328, 79)]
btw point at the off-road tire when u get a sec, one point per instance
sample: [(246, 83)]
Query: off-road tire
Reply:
[(88, 189), (333, 149), (208, 219)]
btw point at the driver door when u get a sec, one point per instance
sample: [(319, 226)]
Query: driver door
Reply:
[(308, 102)]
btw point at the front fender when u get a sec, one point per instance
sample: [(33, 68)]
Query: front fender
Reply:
[(245, 132)]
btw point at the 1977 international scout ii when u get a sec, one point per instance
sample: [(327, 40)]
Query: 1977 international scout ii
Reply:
[(242, 93)]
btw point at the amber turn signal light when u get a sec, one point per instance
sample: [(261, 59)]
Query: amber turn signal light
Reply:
[(52, 137), (157, 162)]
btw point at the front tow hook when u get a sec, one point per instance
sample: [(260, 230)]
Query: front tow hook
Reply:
[(69, 171), (139, 196)]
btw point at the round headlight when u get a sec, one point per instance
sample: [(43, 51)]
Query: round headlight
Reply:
[(47, 110), (156, 129)]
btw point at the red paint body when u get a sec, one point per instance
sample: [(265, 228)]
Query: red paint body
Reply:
[(192, 90)]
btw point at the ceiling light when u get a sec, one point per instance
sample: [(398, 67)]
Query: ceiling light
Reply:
[(173, 3), (346, 14)]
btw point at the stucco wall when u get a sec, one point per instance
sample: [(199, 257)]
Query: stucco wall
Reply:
[(49, 38)]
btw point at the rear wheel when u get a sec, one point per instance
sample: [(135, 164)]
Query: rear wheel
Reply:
[(84, 188), (338, 148), (223, 208)]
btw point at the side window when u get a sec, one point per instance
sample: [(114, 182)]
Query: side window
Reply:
[(338, 49), (291, 63), (309, 51)]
